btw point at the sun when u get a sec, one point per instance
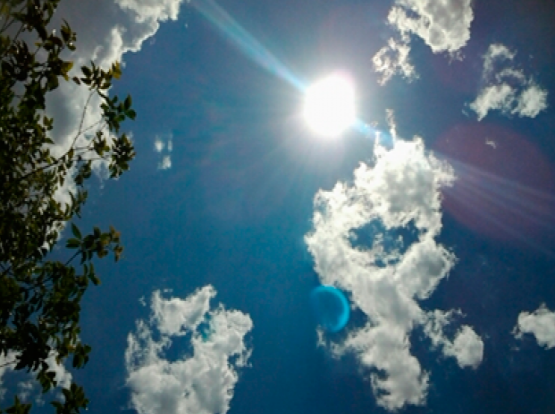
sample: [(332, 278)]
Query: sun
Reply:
[(329, 106)]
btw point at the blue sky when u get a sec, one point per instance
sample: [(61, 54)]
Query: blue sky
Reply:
[(435, 220)]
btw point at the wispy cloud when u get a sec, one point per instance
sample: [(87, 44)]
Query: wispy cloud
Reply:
[(5, 367), (540, 323), (203, 379), (396, 195), (507, 89), (444, 26), (393, 59), (163, 145), (158, 145)]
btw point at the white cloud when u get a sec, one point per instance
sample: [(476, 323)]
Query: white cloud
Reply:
[(443, 25), (494, 97), (163, 144), (63, 377), (531, 102), (151, 11), (467, 347), (540, 323), (507, 89), (393, 59), (176, 316), (386, 348), (166, 163), (201, 381), (496, 52), (400, 190)]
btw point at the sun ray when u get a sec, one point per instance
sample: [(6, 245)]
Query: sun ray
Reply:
[(244, 41)]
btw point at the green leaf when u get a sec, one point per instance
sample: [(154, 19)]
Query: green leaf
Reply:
[(116, 70), (18, 408), (78, 361), (76, 232), (52, 82), (67, 34), (127, 103), (66, 66), (73, 243)]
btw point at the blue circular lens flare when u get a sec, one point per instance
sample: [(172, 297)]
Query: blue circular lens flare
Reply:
[(330, 307)]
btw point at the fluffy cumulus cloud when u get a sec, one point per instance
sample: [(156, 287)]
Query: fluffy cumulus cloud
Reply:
[(506, 88), (443, 25), (202, 380), (396, 201), (540, 323)]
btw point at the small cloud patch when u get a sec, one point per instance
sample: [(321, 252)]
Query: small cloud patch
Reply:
[(540, 323), (163, 145), (507, 89)]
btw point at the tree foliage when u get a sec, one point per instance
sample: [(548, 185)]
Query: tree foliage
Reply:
[(39, 296)]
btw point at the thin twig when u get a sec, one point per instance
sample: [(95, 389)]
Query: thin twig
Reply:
[(79, 131)]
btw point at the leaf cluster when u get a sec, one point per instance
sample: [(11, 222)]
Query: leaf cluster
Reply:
[(40, 297)]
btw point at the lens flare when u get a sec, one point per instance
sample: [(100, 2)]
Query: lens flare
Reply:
[(331, 307)]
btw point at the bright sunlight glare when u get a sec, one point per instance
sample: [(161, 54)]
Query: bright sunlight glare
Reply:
[(329, 106)]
